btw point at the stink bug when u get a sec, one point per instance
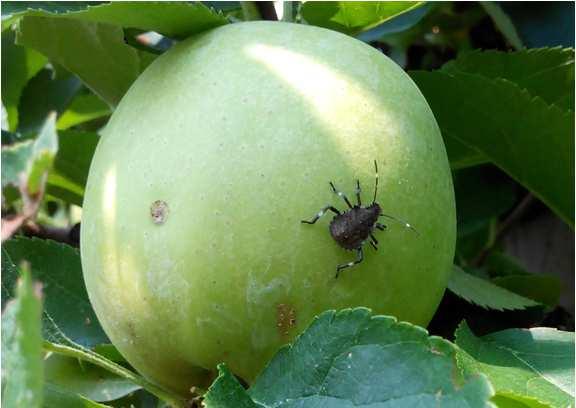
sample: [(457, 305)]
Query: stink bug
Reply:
[(352, 228)]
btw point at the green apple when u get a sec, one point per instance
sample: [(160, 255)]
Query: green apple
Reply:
[(192, 246)]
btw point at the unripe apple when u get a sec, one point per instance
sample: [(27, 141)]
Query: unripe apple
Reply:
[(192, 246)]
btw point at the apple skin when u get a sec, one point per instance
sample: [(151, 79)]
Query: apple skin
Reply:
[(236, 132)]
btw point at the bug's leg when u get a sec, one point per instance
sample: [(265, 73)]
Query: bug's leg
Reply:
[(379, 226), (374, 245), (340, 194), (359, 259), (374, 241), (321, 213), (358, 191)]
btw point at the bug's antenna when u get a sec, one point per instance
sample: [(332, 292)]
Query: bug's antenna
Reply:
[(376, 183), (404, 223)]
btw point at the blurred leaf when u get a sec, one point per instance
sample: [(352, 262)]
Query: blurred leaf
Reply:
[(19, 65), (22, 373), (95, 52), (27, 161), (85, 379), (177, 19), (510, 400), (543, 24), (350, 358), (42, 95), (530, 140), (398, 24), (68, 179), (66, 305), (56, 397), (76, 351), (57, 7), (25, 165), (537, 363), (83, 108), (500, 264), (484, 293), (544, 72), (474, 237), (503, 22), (544, 289), (482, 193), (353, 17)]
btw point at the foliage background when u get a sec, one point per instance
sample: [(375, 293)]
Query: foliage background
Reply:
[(506, 114)]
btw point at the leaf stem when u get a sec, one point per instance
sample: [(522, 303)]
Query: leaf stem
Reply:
[(174, 400)]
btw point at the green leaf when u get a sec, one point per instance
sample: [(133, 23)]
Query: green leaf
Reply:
[(67, 305), (44, 94), (353, 17), (537, 363), (68, 316), (177, 19), (350, 358), (484, 293), (24, 164), (19, 65), (78, 352), (530, 140), (544, 289), (83, 108), (85, 379), (68, 178), (95, 52), (22, 373), (55, 397), (226, 391), (509, 400), (544, 72), (503, 23)]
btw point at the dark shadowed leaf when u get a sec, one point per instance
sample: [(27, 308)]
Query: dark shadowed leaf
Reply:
[(532, 141), (544, 72), (58, 267), (22, 373), (19, 65), (543, 24), (536, 363), (44, 94), (482, 193), (484, 293), (503, 22), (500, 264), (353, 17), (350, 358)]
